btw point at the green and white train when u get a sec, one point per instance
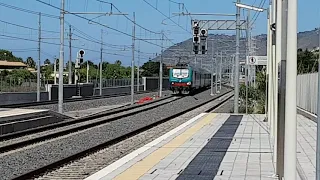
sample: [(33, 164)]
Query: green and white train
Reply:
[(185, 78)]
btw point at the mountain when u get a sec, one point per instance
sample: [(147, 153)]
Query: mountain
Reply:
[(226, 44)]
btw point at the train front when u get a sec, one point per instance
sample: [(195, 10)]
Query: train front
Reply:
[(180, 79)]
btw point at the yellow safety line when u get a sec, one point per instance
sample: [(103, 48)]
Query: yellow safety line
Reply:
[(143, 166)]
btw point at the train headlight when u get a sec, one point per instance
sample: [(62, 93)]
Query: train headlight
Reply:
[(188, 83), (172, 83)]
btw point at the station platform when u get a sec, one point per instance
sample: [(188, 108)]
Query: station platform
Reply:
[(208, 146), (9, 114), (90, 111)]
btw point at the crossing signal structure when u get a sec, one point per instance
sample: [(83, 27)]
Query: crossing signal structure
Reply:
[(79, 60)]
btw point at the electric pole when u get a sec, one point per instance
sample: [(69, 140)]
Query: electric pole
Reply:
[(290, 142), (236, 81), (161, 61), (101, 50), (39, 56), (248, 54), (220, 71), (216, 63), (138, 71), (212, 65), (70, 56), (132, 62), (61, 61)]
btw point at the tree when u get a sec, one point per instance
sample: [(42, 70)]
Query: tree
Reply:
[(118, 62), (21, 74), (307, 61), (30, 62), (8, 56), (47, 61), (152, 68)]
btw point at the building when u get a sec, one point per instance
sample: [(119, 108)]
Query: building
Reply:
[(9, 66)]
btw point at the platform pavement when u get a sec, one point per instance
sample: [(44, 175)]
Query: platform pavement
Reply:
[(209, 146)]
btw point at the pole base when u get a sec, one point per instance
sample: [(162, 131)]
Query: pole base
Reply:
[(76, 97)]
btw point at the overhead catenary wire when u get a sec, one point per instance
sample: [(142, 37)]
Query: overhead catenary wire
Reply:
[(26, 27), (57, 44), (28, 11), (166, 16), (124, 33)]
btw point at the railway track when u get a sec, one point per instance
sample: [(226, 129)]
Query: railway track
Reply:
[(35, 135), (41, 103), (12, 145)]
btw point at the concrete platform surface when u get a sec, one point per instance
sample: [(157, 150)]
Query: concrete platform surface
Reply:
[(208, 146), (90, 111), (6, 112), (9, 114)]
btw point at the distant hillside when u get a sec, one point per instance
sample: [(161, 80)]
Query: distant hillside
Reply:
[(226, 44)]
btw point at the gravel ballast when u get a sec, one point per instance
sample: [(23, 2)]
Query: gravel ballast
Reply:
[(20, 162), (94, 103)]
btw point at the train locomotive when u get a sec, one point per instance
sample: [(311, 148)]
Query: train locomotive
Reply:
[(185, 78)]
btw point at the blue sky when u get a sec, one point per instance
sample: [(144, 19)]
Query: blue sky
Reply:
[(118, 43)]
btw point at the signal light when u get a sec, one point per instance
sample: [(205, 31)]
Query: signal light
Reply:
[(81, 52), (195, 39), (195, 24), (195, 31), (204, 32)]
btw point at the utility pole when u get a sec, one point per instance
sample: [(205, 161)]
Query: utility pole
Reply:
[(248, 54), (282, 91), (161, 61), (61, 61), (138, 71), (87, 71), (55, 69), (220, 72), (275, 86), (101, 50), (39, 56), (132, 62), (290, 150), (212, 68), (216, 63), (70, 56), (236, 82)]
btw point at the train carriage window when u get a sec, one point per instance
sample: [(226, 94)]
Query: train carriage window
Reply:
[(180, 73)]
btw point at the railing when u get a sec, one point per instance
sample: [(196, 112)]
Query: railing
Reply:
[(114, 82), (307, 92), (20, 85)]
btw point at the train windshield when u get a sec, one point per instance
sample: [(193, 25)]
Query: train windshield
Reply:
[(180, 73)]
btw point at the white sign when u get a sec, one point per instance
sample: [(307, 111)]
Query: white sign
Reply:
[(257, 60)]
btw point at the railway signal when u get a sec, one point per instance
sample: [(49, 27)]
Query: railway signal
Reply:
[(203, 40), (81, 53), (79, 59), (196, 38)]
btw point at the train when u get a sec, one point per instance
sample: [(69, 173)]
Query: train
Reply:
[(186, 79)]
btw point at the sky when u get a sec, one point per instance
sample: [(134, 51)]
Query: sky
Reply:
[(117, 29)]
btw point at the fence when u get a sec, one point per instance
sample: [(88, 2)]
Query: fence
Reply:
[(20, 85), (114, 82), (307, 92)]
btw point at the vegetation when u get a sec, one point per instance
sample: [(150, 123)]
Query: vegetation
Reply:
[(307, 61), (256, 96), (109, 70), (152, 68)]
